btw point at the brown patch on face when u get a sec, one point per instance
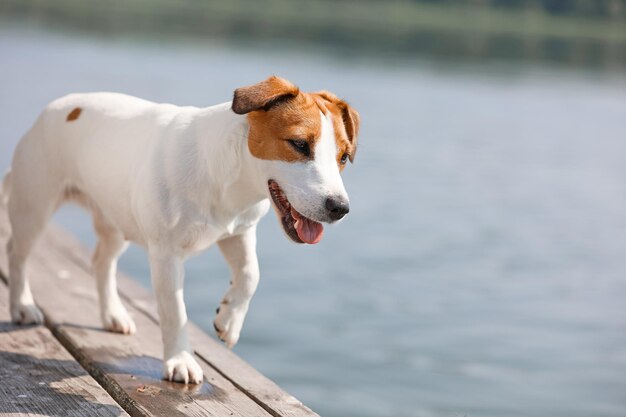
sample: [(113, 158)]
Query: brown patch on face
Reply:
[(271, 131), (73, 115), (346, 122), (278, 112)]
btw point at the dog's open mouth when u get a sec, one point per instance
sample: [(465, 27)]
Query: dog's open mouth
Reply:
[(299, 228)]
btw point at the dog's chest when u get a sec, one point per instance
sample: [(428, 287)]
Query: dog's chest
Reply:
[(205, 230)]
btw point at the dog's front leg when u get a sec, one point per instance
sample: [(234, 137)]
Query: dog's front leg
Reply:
[(167, 280), (240, 253)]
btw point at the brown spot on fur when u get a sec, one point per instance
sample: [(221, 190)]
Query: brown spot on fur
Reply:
[(73, 115), (278, 111)]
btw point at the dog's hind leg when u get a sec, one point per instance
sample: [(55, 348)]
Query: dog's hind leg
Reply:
[(23, 308), (29, 211), (240, 253), (111, 244)]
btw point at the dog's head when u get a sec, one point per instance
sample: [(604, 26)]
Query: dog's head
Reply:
[(304, 141)]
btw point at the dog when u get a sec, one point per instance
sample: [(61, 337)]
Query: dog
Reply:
[(176, 180)]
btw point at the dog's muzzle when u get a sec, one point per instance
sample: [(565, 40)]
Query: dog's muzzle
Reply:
[(298, 227)]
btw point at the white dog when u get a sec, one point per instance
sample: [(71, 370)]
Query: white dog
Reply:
[(176, 180)]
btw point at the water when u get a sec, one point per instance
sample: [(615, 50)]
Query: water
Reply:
[(481, 271)]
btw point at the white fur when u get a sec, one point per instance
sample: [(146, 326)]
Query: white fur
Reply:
[(172, 179)]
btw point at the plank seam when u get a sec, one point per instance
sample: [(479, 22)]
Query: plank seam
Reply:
[(81, 263), (107, 384), (264, 406), (77, 256)]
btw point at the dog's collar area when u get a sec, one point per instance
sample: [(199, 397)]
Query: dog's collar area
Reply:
[(299, 228)]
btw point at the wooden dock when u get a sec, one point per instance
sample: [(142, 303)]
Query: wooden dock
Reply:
[(71, 367)]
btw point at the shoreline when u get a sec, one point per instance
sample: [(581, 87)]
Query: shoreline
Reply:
[(382, 28)]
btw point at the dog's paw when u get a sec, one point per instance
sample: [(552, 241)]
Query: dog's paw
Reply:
[(182, 367), (118, 320), (228, 323), (26, 314)]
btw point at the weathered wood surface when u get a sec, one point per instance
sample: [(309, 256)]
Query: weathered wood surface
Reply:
[(129, 367), (263, 390), (39, 377)]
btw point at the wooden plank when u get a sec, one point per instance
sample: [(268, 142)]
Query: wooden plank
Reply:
[(39, 377), (129, 367), (263, 390), (260, 388)]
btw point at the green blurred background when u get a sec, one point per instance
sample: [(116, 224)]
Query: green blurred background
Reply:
[(576, 32)]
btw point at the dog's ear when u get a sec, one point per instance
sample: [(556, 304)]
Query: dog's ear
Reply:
[(264, 95), (350, 116), (352, 121)]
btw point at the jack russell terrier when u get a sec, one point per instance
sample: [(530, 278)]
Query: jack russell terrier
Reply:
[(176, 180)]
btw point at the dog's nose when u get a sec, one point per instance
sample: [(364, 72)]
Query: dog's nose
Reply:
[(337, 207)]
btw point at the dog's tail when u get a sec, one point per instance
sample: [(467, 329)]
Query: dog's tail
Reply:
[(5, 190)]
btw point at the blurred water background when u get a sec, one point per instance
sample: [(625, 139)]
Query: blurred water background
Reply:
[(482, 269)]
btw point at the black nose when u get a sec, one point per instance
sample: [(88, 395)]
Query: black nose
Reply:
[(337, 207)]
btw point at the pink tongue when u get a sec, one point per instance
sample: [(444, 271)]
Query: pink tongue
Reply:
[(309, 231)]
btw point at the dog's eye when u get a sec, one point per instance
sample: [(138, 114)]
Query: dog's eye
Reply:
[(301, 146), (344, 158)]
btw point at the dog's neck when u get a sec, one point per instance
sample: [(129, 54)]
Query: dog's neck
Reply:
[(249, 184), (234, 178)]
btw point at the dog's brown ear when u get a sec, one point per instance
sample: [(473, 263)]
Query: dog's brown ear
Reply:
[(350, 116), (264, 95), (352, 121)]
